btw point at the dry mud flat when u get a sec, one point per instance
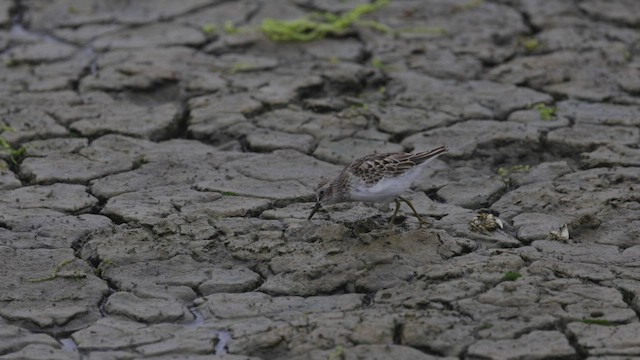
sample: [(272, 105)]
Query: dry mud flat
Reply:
[(159, 158)]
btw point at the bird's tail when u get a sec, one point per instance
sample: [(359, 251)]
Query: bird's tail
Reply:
[(419, 158)]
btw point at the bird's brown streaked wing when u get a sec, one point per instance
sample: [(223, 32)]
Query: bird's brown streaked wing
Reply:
[(370, 168), (374, 167), (399, 163)]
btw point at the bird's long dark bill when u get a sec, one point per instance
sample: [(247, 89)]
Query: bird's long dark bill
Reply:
[(315, 208)]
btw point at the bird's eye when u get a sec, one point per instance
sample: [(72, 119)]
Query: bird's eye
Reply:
[(321, 192)]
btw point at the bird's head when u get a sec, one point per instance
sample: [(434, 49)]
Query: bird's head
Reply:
[(325, 194)]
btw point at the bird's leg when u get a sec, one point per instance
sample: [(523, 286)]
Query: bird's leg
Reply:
[(420, 219), (393, 217)]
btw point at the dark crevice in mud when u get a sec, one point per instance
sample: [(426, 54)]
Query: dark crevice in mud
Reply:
[(253, 213), (14, 161), (244, 144), (196, 290), (526, 19), (493, 198), (398, 329), (83, 211), (367, 300), (95, 136), (198, 319), (182, 120), (433, 195), (489, 64), (250, 14), (395, 138), (99, 266), (4, 226), (17, 11), (14, 166), (118, 220), (97, 208), (343, 89), (629, 298), (573, 341), (221, 140), (346, 287), (308, 92), (437, 217), (557, 97), (103, 301), (77, 245), (463, 353), (429, 351), (62, 335), (162, 92), (102, 201), (446, 305), (261, 269), (89, 70)]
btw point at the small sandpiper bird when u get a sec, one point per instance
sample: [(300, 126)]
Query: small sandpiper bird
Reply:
[(376, 178)]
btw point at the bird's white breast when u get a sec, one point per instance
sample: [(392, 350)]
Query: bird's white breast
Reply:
[(386, 189)]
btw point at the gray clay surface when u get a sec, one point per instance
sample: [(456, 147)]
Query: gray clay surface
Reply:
[(159, 158)]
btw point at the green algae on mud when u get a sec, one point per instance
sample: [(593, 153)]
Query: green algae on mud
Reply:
[(14, 154), (56, 273), (547, 113), (511, 276), (309, 29)]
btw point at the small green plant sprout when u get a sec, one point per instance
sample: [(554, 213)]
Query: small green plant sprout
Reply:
[(229, 193), (601, 322), (357, 108), (547, 113), (504, 172), (230, 28), (208, 29), (14, 154), (530, 44), (317, 27), (337, 353), (511, 276), (6, 128), (377, 63), (56, 272)]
